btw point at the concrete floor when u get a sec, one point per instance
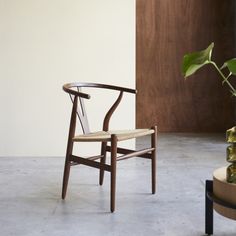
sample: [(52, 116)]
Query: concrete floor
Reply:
[(30, 203)]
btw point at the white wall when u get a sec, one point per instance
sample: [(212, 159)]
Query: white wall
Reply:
[(46, 43)]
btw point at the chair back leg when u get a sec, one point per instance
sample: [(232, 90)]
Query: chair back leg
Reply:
[(113, 170), (153, 158), (102, 161)]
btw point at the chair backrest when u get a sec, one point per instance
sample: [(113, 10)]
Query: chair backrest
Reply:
[(77, 98)]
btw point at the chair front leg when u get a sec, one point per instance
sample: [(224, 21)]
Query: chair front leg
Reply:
[(65, 178), (102, 161), (69, 147), (67, 168), (113, 170), (154, 157)]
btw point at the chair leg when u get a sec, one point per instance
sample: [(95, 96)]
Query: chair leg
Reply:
[(102, 161), (113, 171), (65, 178), (67, 167), (69, 148), (154, 157)]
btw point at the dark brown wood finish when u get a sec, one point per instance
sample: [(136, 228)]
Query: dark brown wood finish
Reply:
[(166, 30), (88, 162), (113, 170), (110, 112), (76, 94), (102, 161), (68, 88), (135, 154), (154, 159), (128, 151), (69, 147)]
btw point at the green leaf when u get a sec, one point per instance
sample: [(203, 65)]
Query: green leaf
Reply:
[(231, 65), (194, 61)]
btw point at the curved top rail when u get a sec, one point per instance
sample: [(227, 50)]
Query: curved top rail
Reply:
[(67, 88)]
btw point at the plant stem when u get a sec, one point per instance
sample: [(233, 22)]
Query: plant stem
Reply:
[(225, 79), (229, 75)]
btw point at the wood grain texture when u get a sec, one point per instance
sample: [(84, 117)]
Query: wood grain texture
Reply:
[(166, 30)]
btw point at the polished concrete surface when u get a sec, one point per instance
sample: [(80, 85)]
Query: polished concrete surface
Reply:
[(30, 203)]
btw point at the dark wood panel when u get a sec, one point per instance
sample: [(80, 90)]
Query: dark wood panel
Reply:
[(166, 30)]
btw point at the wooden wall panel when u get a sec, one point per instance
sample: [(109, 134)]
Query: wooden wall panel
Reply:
[(166, 30)]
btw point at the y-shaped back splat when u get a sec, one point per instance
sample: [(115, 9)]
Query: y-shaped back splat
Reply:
[(110, 112)]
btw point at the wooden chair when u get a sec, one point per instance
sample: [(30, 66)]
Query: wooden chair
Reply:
[(104, 137)]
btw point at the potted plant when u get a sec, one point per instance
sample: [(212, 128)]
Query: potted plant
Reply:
[(192, 62)]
